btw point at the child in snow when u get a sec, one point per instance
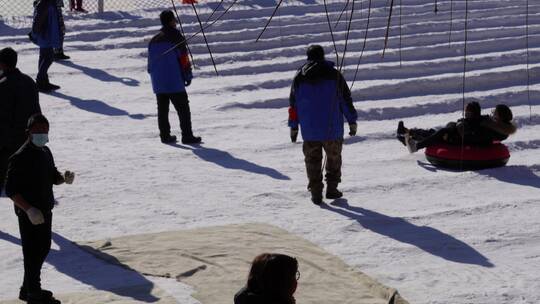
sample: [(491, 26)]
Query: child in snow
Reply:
[(29, 183), (273, 279)]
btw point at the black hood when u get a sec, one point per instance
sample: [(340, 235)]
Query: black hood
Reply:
[(314, 70)]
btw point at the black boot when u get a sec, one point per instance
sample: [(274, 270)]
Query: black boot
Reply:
[(61, 56), (332, 192), (46, 86), (316, 197), (168, 139), (400, 133), (188, 140)]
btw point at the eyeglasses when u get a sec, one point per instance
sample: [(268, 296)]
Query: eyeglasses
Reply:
[(297, 275)]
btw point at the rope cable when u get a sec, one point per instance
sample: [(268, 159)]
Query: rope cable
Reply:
[(204, 37), (364, 46), (331, 32), (269, 20)]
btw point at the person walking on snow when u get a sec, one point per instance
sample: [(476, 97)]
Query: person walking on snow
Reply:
[(170, 72), (47, 34), (319, 99), (19, 101), (29, 183)]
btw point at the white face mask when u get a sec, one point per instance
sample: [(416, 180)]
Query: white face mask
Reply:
[(40, 139)]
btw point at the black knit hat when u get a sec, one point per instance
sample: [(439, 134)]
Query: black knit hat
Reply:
[(315, 52), (8, 56), (166, 17)]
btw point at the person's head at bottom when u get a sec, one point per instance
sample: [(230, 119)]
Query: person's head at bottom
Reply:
[(273, 278), (38, 130)]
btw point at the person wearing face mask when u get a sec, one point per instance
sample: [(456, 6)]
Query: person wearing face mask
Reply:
[(170, 72), (19, 99), (29, 183)]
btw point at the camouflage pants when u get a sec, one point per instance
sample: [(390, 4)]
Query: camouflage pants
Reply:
[(313, 158)]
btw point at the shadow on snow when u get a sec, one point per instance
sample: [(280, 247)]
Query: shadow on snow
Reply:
[(97, 106), (75, 262), (226, 160), (428, 239)]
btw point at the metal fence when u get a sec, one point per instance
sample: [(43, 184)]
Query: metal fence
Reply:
[(20, 8)]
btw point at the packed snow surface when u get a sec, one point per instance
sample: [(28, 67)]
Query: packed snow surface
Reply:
[(437, 236)]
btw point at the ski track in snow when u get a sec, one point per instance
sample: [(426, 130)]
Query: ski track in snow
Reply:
[(437, 236)]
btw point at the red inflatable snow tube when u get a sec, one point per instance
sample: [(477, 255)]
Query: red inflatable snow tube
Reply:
[(470, 157)]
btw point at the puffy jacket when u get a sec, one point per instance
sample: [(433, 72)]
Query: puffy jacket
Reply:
[(32, 174), (19, 100), (319, 99), (47, 26), (168, 61)]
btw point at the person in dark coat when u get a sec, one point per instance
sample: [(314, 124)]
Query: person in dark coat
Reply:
[(273, 279), (59, 52), (170, 72), (77, 6), (47, 34), (472, 130), (319, 100), (29, 183), (454, 133), (19, 100)]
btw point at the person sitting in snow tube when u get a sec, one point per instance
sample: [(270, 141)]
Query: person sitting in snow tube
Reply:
[(479, 136), (273, 279)]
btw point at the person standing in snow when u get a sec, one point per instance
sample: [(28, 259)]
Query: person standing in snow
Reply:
[(29, 183), (59, 52), (77, 6), (19, 101), (47, 34), (170, 72), (319, 99)]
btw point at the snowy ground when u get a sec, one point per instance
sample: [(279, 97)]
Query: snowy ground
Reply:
[(437, 236)]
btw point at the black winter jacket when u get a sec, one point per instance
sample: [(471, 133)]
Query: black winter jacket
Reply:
[(19, 99), (32, 174), (245, 296)]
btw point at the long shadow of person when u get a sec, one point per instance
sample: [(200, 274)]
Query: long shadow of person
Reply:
[(227, 161), (101, 74), (426, 238), (101, 273), (97, 106)]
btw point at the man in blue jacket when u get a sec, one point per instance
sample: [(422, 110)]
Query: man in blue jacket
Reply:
[(170, 72), (319, 99)]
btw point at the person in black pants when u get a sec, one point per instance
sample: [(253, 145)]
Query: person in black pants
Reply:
[(19, 100), (47, 34), (29, 183), (170, 72)]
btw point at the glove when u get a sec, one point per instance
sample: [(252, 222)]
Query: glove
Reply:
[(352, 129), (69, 177), (35, 216), (187, 82), (294, 134)]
